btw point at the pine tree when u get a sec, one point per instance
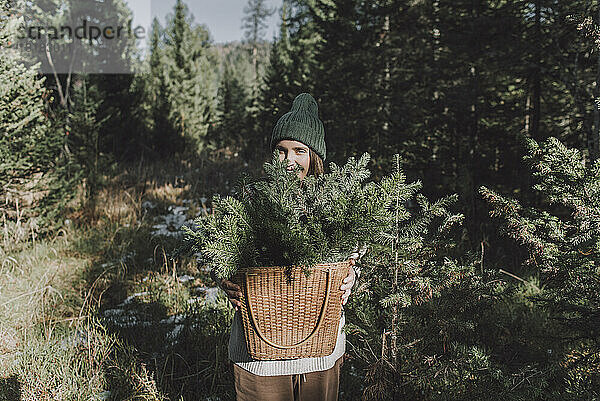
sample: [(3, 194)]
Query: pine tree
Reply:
[(29, 144), (405, 311), (254, 24), (165, 140), (235, 106), (86, 162), (304, 41), (192, 85), (24, 146), (563, 241), (231, 110)]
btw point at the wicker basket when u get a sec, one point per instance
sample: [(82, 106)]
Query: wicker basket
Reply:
[(292, 320)]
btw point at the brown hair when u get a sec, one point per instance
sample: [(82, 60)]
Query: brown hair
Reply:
[(315, 166)]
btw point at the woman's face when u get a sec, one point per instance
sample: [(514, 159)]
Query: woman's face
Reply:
[(295, 153)]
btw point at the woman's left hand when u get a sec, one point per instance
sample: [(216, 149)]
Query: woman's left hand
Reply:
[(348, 282)]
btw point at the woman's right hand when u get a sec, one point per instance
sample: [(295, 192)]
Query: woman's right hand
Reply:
[(233, 291)]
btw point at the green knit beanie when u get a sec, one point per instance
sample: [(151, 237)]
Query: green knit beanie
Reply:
[(302, 124)]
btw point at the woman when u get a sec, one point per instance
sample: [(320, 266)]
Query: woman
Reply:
[(299, 138)]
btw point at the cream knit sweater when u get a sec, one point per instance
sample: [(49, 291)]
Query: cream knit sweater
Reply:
[(238, 354)]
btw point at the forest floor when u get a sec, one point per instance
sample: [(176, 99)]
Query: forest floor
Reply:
[(100, 312)]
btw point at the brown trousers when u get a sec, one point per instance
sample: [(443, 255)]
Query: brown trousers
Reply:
[(314, 386)]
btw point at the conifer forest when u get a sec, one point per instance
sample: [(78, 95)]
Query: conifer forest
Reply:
[(463, 147)]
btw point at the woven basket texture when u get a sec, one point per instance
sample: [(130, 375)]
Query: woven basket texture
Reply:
[(290, 320)]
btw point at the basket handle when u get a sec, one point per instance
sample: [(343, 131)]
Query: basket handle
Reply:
[(319, 323)]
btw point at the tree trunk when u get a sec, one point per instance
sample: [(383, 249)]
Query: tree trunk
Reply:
[(536, 73), (385, 106)]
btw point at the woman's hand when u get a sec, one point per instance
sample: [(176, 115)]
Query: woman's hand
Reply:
[(348, 282), (233, 291)]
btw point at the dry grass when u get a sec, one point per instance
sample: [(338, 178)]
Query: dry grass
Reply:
[(54, 341), (51, 341)]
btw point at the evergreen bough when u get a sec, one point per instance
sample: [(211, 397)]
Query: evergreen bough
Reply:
[(280, 220)]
